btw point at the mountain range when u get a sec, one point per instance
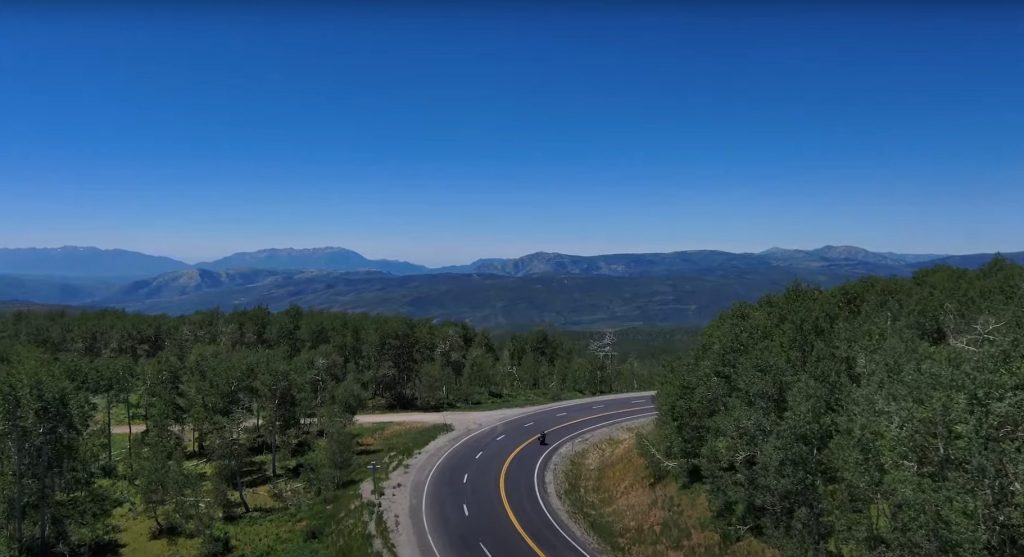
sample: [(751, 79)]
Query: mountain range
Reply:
[(572, 291), (328, 258), (76, 261)]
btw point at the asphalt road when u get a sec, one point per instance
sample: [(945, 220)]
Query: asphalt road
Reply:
[(485, 496)]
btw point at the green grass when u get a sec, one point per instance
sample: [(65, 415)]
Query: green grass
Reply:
[(136, 538), (337, 526), (119, 450), (304, 526), (392, 443)]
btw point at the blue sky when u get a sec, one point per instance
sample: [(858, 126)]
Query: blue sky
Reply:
[(445, 135)]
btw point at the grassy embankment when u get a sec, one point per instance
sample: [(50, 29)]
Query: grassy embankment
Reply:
[(609, 489), (284, 521)]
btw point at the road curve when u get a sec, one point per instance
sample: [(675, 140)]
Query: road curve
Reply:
[(485, 495)]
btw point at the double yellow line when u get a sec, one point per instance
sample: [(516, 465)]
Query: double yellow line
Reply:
[(508, 461)]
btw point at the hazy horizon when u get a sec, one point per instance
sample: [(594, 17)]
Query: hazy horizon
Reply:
[(511, 256)]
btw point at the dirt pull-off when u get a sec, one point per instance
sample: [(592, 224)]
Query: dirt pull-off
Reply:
[(457, 419)]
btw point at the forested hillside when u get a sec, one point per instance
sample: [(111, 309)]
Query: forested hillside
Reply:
[(882, 417), (493, 301), (79, 261), (229, 397)]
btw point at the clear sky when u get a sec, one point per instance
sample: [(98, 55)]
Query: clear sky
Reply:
[(445, 135)]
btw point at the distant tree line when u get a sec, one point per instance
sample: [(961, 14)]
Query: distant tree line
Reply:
[(220, 387), (884, 417)]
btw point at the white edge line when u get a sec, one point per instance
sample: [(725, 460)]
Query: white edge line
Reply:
[(426, 485), (536, 471), (485, 549)]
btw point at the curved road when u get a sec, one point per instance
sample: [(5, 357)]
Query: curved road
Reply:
[(485, 496)]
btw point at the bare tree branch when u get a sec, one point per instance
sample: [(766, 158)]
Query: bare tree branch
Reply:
[(664, 461)]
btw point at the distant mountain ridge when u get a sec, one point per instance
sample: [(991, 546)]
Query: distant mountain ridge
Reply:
[(325, 258), (78, 261), (684, 287), (850, 253), (75, 261), (636, 264)]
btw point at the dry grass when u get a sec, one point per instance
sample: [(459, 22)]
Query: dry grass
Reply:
[(609, 488)]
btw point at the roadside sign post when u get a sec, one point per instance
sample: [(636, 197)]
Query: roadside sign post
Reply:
[(373, 470)]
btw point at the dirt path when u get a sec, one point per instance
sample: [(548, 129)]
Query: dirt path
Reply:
[(457, 419), (422, 417)]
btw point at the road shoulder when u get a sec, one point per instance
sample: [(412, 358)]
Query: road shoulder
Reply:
[(554, 473)]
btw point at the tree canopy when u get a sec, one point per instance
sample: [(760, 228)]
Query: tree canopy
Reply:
[(881, 417), (222, 387)]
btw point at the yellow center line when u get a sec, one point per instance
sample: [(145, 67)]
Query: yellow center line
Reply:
[(508, 461)]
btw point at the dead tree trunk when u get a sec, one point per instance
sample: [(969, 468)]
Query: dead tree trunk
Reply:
[(110, 435), (128, 410)]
